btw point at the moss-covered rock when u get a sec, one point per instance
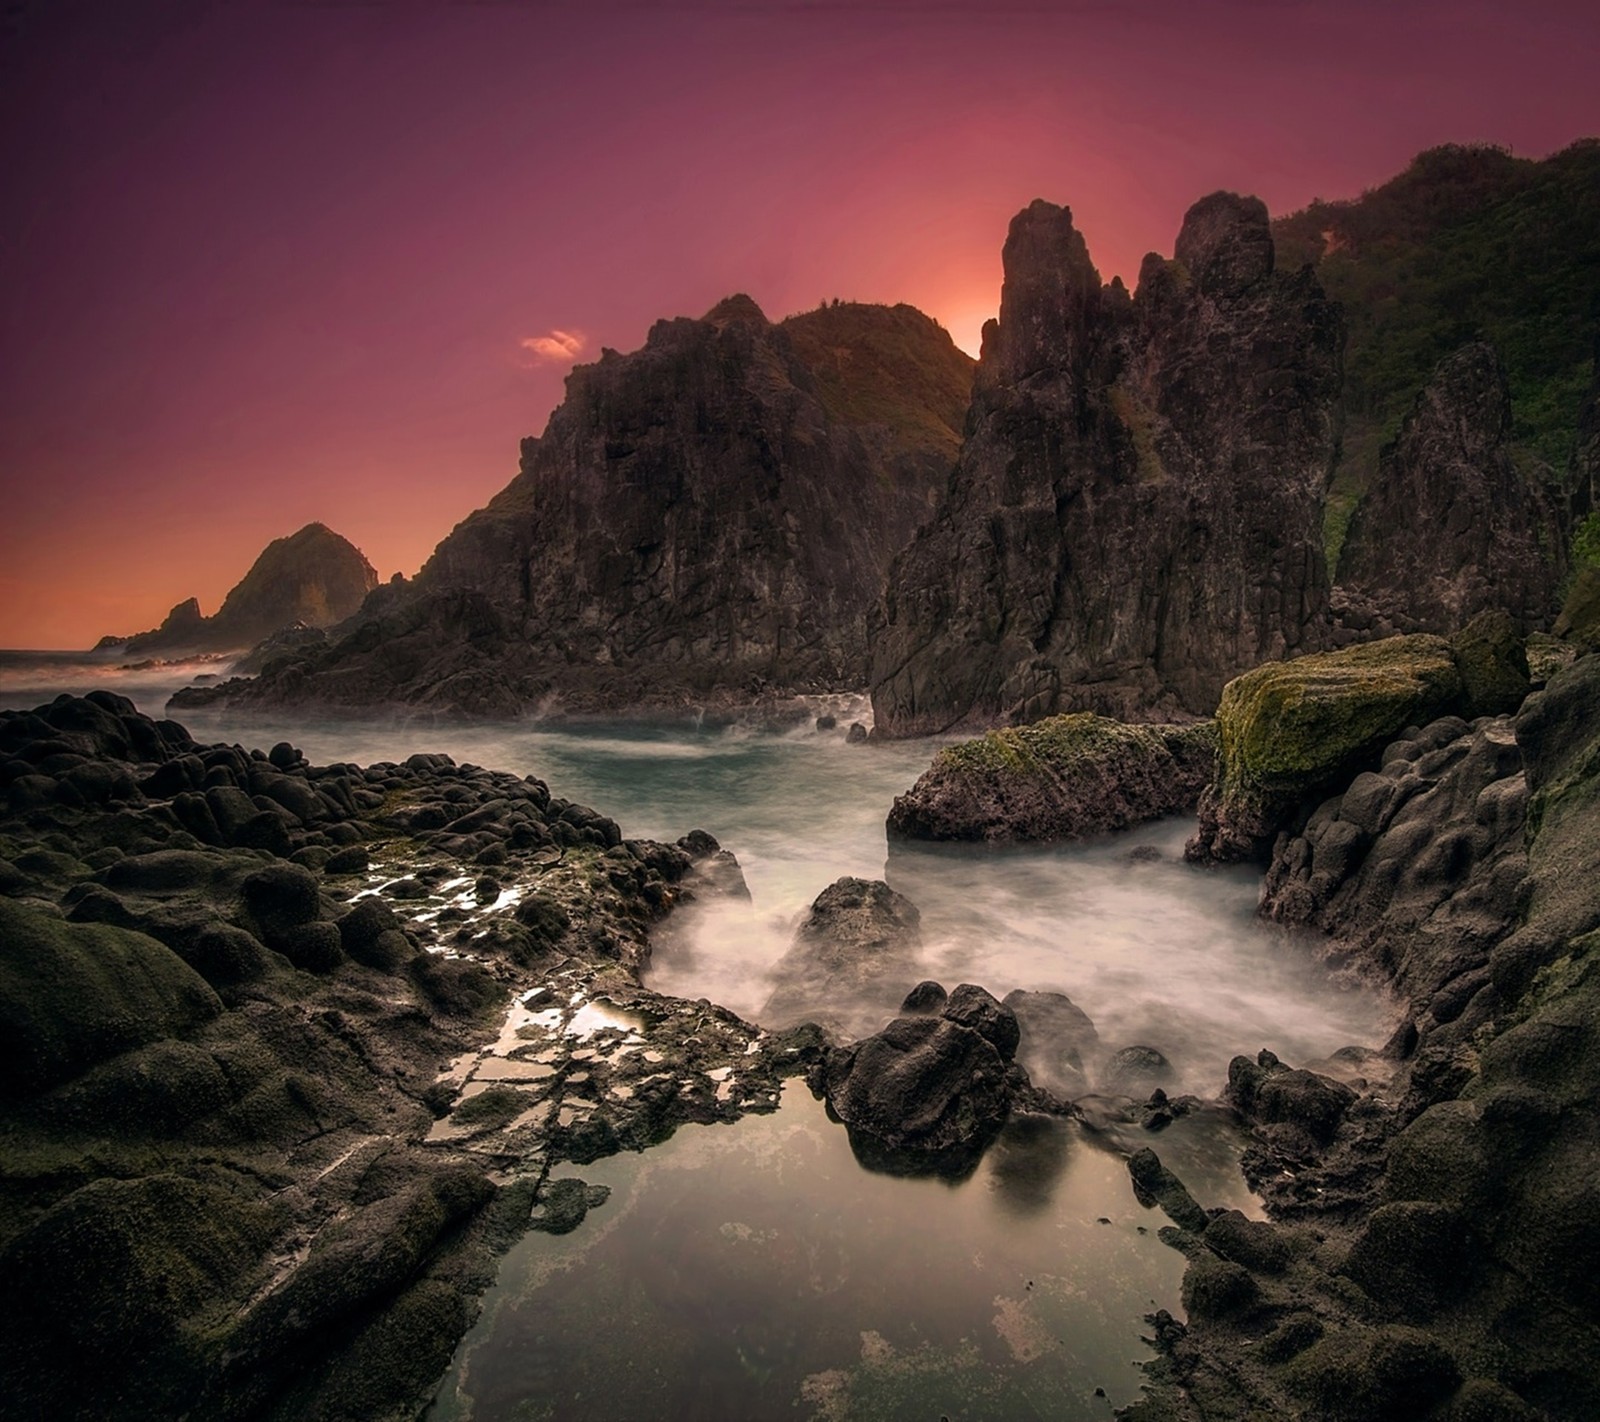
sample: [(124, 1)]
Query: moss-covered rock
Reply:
[(359, 1262), (122, 1276), (1580, 615), (75, 994), (1066, 777), (158, 1090), (1493, 660), (1389, 1374), (1289, 731)]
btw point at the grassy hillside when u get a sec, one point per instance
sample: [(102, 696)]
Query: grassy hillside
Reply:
[(1467, 242), (888, 365)]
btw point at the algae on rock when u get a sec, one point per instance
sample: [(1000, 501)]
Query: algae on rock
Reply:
[(1066, 777), (1288, 730)]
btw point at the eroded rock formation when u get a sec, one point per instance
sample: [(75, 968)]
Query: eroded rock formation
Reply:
[(1136, 513), (1436, 1242), (313, 578), (1452, 527), (709, 515)]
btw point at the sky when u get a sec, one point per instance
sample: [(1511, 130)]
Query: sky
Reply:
[(264, 262)]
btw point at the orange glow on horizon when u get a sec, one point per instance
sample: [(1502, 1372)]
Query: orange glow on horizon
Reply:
[(343, 285)]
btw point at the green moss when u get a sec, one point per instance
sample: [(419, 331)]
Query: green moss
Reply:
[(1057, 741), (1138, 420), (1292, 724), (72, 995), (1468, 243), (1337, 512), (1580, 613), (1586, 543)]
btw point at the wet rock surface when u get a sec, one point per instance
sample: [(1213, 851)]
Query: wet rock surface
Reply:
[(1433, 1250), (1063, 778), (927, 1093), (293, 1048), (854, 956)]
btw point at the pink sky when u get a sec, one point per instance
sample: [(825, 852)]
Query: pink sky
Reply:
[(270, 263)]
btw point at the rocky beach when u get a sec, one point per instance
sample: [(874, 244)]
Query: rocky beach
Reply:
[(1043, 861)]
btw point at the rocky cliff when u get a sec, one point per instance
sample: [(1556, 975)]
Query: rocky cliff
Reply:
[(1136, 515), (313, 577), (1468, 243), (708, 516), (1452, 526)]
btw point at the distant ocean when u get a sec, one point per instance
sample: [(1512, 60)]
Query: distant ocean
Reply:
[(29, 678)]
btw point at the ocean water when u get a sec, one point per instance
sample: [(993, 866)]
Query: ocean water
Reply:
[(758, 1270)]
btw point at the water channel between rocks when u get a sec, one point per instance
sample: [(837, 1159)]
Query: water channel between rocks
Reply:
[(756, 1270)]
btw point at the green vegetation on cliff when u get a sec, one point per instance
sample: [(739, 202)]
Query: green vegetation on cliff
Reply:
[(1468, 243), (887, 365)]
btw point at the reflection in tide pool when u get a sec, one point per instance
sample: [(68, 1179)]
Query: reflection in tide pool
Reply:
[(756, 1271)]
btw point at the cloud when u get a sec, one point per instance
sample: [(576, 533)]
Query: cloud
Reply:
[(556, 347)]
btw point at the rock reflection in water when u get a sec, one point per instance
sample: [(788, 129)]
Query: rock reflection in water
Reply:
[(756, 1271)]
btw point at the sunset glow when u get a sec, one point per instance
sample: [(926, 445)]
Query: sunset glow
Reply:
[(268, 264)]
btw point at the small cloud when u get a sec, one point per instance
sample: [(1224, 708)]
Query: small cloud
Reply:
[(556, 347)]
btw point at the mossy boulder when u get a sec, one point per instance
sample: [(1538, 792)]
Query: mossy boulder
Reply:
[(1289, 732), (1493, 660), (72, 995), (123, 1278), (1390, 1374), (158, 1090), (1063, 778)]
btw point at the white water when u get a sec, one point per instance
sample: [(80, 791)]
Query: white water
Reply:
[(1157, 953)]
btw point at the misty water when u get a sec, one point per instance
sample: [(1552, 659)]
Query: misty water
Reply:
[(757, 1270)]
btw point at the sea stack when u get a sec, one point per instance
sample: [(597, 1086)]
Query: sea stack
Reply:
[(1135, 516)]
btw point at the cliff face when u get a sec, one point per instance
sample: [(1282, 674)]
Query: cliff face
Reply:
[(1468, 243), (711, 514), (314, 577), (1135, 517), (1451, 527)]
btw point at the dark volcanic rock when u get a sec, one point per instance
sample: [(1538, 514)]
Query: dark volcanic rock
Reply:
[(1441, 1251), (1136, 513), (1066, 777), (977, 1008), (1058, 1044), (230, 1158), (924, 1094), (1265, 1090), (1452, 527), (1136, 1071), (853, 954), (1290, 731), (927, 998), (708, 516), (313, 577)]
